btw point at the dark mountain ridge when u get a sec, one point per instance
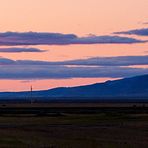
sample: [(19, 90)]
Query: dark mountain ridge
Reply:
[(127, 87)]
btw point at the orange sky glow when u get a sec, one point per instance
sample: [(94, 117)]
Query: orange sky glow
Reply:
[(80, 17)]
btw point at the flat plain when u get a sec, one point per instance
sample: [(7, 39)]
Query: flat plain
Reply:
[(88, 125)]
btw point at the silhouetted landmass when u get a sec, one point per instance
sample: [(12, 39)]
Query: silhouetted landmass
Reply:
[(127, 88)]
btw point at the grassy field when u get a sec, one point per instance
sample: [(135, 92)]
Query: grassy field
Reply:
[(100, 130)]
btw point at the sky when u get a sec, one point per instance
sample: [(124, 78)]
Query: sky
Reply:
[(52, 43)]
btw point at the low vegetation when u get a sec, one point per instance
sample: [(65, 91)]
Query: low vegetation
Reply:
[(75, 130)]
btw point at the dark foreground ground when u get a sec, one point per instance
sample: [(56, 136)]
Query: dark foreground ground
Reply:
[(79, 126)]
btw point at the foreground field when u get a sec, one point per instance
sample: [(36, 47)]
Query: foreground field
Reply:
[(98, 130)]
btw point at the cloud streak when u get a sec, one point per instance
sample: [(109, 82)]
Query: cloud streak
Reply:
[(44, 38), (145, 23), (64, 72), (96, 61), (27, 69), (18, 50), (140, 32), (107, 61)]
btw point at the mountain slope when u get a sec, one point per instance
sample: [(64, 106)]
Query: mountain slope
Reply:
[(127, 87), (135, 86)]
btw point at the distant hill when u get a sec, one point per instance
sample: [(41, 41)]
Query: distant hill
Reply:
[(127, 87)]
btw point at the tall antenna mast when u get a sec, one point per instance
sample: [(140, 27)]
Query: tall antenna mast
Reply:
[(31, 90)]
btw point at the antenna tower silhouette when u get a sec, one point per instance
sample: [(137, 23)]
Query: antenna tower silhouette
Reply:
[(31, 98)]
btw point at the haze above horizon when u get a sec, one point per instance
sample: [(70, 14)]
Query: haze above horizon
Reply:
[(69, 43)]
